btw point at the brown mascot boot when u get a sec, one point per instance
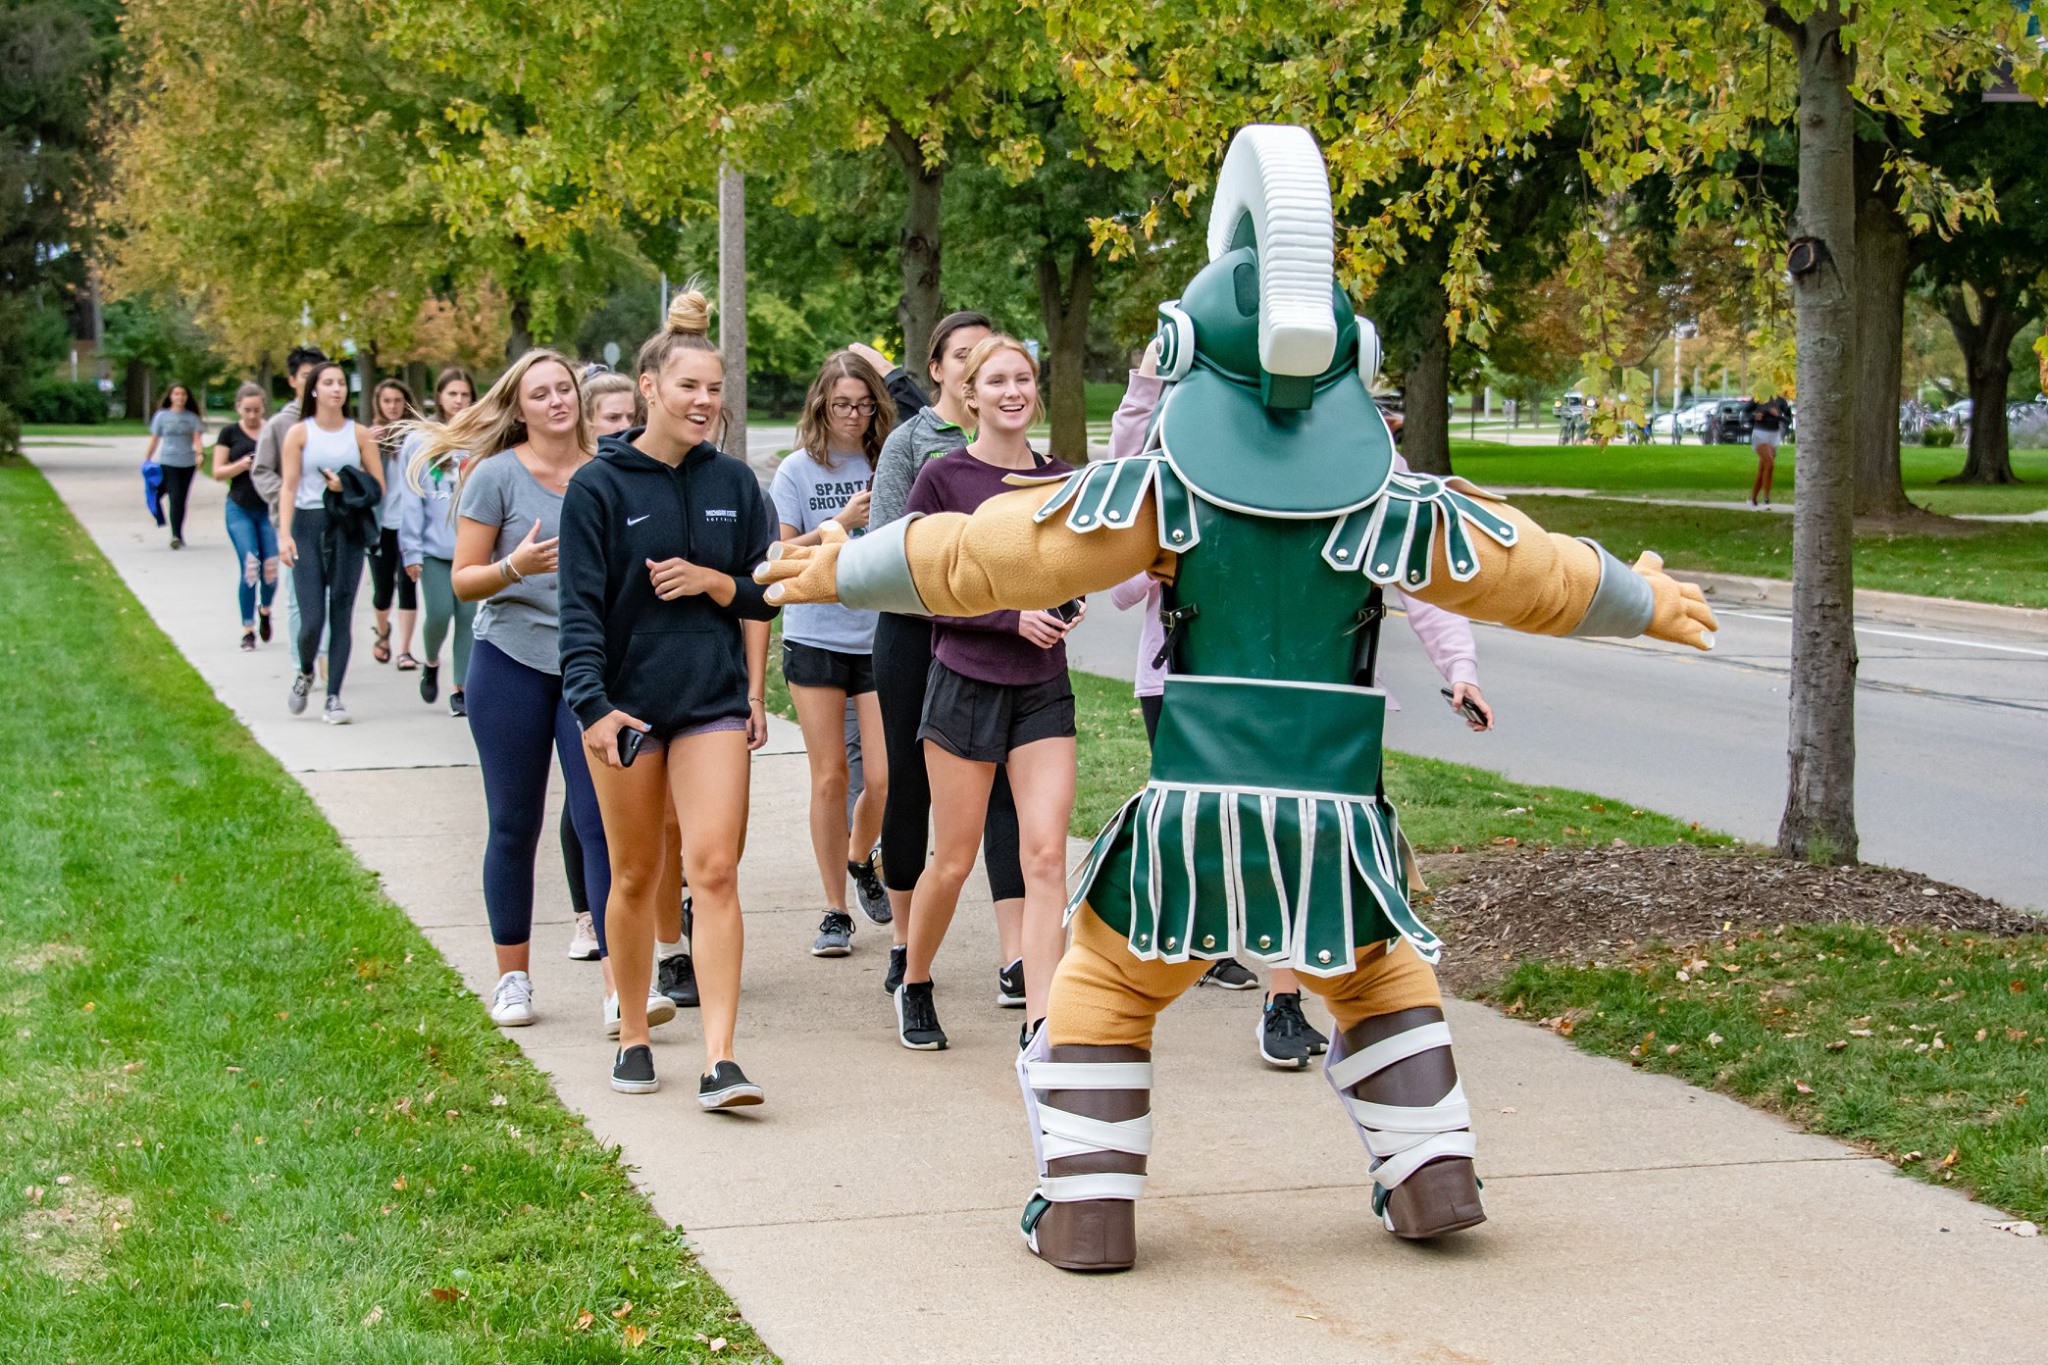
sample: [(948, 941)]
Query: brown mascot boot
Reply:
[(1091, 1110), (1395, 1075)]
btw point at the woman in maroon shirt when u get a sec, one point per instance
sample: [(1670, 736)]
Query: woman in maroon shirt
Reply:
[(998, 693)]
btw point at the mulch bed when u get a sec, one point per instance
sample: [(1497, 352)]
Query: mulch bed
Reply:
[(1594, 904)]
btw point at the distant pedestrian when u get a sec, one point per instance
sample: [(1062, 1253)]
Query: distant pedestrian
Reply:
[(1768, 421), (248, 516), (268, 477), (395, 408), (336, 482), (827, 650), (426, 543), (612, 401), (174, 434)]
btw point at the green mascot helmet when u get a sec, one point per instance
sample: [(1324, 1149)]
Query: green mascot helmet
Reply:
[(1271, 407)]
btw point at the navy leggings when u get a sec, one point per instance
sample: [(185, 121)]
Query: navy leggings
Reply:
[(520, 724)]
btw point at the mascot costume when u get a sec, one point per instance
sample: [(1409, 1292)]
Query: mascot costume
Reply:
[(1265, 500)]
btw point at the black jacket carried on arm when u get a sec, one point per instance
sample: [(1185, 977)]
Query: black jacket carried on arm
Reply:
[(672, 664)]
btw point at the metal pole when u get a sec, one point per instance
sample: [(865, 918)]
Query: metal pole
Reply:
[(732, 302)]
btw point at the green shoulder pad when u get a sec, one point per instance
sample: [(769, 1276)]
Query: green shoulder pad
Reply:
[(1393, 541), (1106, 494)]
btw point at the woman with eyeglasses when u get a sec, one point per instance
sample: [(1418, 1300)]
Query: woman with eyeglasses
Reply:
[(827, 651)]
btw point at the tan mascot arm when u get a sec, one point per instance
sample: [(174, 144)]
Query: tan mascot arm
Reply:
[(953, 564)]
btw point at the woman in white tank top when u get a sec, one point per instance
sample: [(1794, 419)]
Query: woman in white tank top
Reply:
[(326, 569)]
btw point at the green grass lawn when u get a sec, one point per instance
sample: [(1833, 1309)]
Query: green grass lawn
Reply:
[(1925, 1047), (2001, 562), (38, 430), (1725, 472), (248, 1112)]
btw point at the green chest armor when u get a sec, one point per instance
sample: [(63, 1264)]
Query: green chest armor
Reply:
[(1264, 828)]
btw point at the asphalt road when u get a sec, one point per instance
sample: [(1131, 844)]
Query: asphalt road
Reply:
[(1952, 732)]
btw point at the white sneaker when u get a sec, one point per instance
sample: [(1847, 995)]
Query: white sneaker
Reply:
[(583, 942), (512, 1002), (335, 713), (660, 1009)]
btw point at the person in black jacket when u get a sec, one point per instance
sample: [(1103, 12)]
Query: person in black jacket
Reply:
[(664, 660)]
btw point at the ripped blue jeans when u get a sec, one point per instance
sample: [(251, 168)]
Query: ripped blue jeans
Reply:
[(255, 541)]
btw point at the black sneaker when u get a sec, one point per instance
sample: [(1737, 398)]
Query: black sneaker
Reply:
[(430, 683), (899, 954), (725, 1086), (457, 706), (1283, 1033), (917, 1022), (1230, 974), (633, 1071), (869, 891), (263, 626), (1010, 986), (1024, 1034), (689, 917), (676, 978), (835, 935), (249, 640)]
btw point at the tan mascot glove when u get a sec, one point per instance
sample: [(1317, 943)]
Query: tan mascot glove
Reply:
[(1680, 614), (801, 574)]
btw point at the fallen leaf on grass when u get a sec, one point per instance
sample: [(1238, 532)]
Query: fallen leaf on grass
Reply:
[(449, 1295), (1838, 1044), (1802, 1087), (1954, 1154), (623, 1309), (398, 1184), (1715, 1040), (635, 1335), (584, 1321), (718, 1343), (374, 1316)]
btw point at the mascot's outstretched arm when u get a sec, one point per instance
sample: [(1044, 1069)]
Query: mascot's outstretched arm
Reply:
[(1003, 556)]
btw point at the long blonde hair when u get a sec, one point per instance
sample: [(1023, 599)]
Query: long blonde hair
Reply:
[(488, 426), (811, 428)]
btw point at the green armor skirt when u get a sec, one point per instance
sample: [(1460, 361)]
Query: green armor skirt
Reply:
[(1261, 831)]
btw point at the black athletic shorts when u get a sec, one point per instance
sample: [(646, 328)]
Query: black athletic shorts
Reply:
[(810, 666), (983, 721)]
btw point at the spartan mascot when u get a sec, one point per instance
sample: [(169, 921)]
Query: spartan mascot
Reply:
[(1265, 500)]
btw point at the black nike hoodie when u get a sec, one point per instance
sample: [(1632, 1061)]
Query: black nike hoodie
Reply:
[(672, 664)]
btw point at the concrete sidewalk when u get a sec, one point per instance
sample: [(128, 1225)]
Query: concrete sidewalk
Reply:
[(868, 1211)]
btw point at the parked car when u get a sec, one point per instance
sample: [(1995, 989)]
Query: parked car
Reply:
[(1727, 423), (1691, 420)]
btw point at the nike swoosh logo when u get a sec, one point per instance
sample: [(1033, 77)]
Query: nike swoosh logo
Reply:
[(635, 521)]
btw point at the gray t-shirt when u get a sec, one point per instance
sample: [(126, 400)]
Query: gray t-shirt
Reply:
[(925, 435), (806, 494), (177, 432), (522, 617)]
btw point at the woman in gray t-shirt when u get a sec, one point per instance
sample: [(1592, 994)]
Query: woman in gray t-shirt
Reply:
[(174, 433)]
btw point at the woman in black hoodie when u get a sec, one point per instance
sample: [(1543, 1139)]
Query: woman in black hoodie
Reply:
[(664, 658)]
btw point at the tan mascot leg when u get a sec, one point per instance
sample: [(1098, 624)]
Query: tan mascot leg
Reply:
[(1087, 1080), (1391, 1065)]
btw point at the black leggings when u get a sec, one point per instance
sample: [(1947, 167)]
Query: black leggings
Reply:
[(178, 492), (325, 587), (387, 574), (903, 661)]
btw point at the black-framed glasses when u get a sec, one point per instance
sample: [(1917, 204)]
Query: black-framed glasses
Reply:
[(844, 407)]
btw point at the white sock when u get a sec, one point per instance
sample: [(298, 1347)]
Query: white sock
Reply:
[(665, 951)]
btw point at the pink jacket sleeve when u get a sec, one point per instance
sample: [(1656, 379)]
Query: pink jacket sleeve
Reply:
[(1446, 637), (1126, 438)]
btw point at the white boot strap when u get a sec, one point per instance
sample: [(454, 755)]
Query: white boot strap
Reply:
[(1449, 1113), (1068, 1189), (1089, 1076), (1395, 1169), (1068, 1134), (1349, 1071)]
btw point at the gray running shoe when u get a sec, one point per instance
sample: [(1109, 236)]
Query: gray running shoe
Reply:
[(868, 889), (334, 713), (302, 687), (835, 935)]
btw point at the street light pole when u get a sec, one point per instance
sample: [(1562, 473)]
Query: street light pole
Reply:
[(732, 302)]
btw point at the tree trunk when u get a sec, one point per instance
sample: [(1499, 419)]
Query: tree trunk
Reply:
[(367, 375), (519, 340), (1986, 342), (1065, 310), (135, 387), (1882, 265), (1819, 824), (732, 304), (1426, 388), (919, 250)]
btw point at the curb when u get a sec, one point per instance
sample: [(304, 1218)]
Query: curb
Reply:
[(1899, 608)]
